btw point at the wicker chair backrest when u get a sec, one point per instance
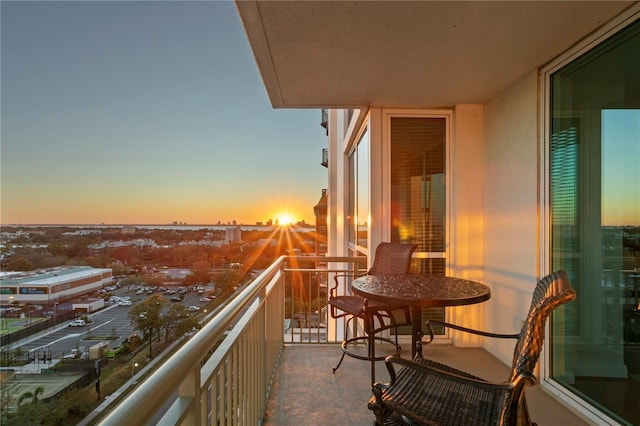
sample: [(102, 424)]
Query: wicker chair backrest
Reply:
[(392, 258), (551, 291)]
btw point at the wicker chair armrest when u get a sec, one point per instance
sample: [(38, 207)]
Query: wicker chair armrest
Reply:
[(426, 368), (467, 330)]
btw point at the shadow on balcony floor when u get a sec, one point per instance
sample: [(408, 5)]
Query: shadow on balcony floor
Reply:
[(305, 392)]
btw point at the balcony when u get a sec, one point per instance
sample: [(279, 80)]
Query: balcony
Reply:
[(266, 358), (305, 392)]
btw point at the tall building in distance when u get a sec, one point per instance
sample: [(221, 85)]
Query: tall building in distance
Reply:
[(320, 211), (233, 234)]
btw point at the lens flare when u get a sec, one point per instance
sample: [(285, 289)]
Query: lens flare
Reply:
[(285, 219)]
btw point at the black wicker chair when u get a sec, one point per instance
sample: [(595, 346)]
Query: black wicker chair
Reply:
[(390, 258), (425, 392)]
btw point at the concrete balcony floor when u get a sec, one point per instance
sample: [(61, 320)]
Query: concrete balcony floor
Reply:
[(306, 392)]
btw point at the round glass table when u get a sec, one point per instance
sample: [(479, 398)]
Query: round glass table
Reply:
[(418, 291)]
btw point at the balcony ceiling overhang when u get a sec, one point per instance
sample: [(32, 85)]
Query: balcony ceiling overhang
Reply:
[(411, 54)]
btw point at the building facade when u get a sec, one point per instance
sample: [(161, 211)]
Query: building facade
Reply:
[(53, 285), (503, 138)]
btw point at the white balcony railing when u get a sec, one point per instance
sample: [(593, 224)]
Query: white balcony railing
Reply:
[(223, 374)]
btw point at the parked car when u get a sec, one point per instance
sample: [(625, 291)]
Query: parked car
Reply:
[(193, 308), (77, 323), (191, 332), (76, 354)]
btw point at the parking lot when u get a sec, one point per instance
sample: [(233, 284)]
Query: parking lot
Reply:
[(111, 321)]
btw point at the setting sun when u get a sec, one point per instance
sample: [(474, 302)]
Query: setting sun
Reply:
[(285, 219)]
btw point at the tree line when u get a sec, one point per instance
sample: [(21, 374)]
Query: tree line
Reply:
[(37, 248)]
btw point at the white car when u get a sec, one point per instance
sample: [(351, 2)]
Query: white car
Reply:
[(77, 323), (124, 303), (193, 308)]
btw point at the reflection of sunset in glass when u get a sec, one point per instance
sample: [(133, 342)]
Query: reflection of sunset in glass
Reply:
[(620, 167)]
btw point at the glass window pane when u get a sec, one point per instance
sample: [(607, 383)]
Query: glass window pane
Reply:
[(362, 209), (358, 221), (352, 199), (595, 218), (418, 182)]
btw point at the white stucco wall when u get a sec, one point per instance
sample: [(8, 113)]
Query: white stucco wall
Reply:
[(511, 233)]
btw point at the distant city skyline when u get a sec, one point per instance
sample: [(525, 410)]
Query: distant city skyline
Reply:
[(146, 113)]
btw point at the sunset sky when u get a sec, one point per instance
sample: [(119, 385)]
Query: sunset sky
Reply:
[(145, 113)]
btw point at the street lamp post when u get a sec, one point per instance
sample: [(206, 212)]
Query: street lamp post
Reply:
[(6, 322), (134, 365)]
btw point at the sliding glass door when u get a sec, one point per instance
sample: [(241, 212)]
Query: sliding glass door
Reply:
[(595, 224)]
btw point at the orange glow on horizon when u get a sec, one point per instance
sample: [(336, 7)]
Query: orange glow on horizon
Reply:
[(285, 219)]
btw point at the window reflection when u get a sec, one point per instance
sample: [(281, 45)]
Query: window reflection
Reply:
[(595, 217), (359, 192), (418, 195)]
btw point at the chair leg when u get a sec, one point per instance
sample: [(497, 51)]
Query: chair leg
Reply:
[(346, 337), (333, 369)]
